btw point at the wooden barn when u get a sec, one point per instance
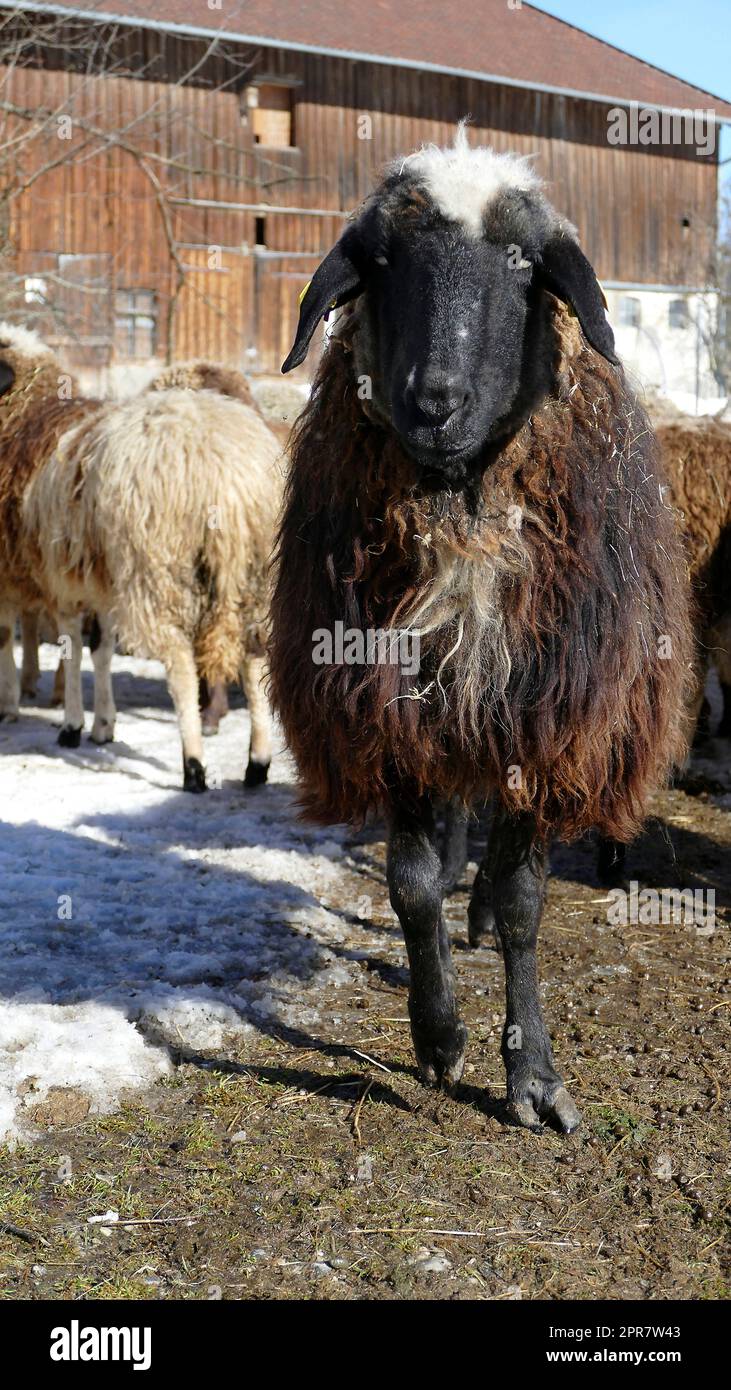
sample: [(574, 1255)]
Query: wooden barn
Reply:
[(173, 173)]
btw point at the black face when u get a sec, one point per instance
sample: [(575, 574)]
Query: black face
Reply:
[(454, 330), (447, 315)]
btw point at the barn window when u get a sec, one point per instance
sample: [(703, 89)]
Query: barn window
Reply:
[(629, 311), (260, 231), (271, 111), (678, 313), (135, 323)]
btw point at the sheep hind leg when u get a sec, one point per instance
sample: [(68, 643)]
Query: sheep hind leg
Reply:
[(260, 744), (415, 883), (611, 862), (101, 644), (516, 867), (71, 643), (30, 670), (182, 679), (9, 685), (454, 844)]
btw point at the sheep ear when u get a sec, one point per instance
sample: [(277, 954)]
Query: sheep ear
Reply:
[(335, 281), (569, 275), (7, 377)]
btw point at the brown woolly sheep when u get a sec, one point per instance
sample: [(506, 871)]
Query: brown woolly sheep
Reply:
[(697, 458), (472, 468), (155, 513)]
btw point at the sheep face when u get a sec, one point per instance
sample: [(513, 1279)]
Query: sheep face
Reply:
[(447, 266), (441, 337)]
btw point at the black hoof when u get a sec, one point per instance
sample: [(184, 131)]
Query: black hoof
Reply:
[(539, 1098), (256, 773), (194, 776), (480, 928), (440, 1054), (69, 738)]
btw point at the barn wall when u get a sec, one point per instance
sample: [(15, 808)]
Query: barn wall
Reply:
[(644, 215)]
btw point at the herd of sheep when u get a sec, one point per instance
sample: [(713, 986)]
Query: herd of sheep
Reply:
[(472, 467)]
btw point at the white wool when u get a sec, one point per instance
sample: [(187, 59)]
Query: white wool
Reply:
[(23, 340), (464, 181)]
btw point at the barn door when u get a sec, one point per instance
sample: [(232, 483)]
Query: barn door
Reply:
[(212, 316)]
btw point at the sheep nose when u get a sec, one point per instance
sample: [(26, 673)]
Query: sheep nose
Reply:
[(438, 395)]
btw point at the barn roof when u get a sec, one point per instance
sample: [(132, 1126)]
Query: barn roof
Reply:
[(486, 39)]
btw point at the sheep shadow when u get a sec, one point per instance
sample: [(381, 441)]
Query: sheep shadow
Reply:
[(155, 933)]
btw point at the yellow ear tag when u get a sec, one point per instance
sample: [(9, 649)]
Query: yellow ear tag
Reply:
[(303, 292)]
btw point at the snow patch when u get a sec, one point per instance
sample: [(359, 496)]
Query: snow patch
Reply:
[(138, 922)]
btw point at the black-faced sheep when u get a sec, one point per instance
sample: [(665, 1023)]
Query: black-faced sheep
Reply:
[(473, 467), (157, 514)]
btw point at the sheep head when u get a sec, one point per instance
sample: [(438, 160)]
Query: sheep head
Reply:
[(22, 356), (447, 267)]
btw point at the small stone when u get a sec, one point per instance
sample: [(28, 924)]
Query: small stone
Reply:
[(364, 1171), (663, 1167)]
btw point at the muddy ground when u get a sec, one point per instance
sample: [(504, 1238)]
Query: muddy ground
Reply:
[(304, 1164)]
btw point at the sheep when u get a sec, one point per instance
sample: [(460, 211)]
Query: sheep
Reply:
[(697, 458), (472, 469), (155, 513), (211, 376), (696, 455)]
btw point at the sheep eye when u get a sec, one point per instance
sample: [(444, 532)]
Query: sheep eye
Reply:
[(381, 260)]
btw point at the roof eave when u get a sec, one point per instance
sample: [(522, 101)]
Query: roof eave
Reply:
[(234, 36)]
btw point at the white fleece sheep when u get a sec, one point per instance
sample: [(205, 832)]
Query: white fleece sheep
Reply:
[(156, 513)]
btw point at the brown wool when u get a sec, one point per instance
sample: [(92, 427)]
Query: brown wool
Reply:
[(544, 639)]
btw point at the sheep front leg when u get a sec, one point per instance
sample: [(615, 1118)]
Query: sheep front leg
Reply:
[(9, 688), (260, 743), (516, 869), (30, 670), (71, 643), (415, 885), (182, 677), (101, 644)]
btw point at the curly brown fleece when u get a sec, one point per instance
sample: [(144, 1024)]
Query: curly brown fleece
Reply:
[(697, 458), (556, 654)]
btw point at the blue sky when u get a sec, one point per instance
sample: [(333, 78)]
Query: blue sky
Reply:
[(690, 38)]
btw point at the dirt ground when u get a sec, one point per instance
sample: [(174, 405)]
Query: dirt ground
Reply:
[(303, 1166)]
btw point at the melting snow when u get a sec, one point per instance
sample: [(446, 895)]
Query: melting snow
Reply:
[(136, 918)]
